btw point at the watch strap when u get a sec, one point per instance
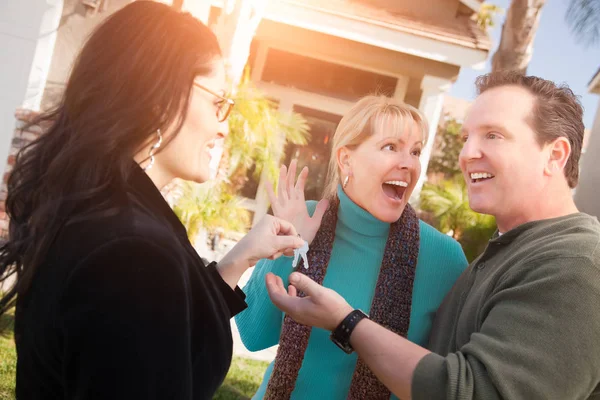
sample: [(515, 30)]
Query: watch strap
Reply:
[(341, 334)]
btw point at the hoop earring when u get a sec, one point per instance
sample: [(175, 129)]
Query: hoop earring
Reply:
[(153, 149), (346, 179)]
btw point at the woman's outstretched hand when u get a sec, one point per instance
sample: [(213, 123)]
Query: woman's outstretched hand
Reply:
[(289, 203)]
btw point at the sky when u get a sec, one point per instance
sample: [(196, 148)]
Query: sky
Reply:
[(557, 56)]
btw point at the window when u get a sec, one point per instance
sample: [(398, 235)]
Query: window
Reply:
[(316, 153)]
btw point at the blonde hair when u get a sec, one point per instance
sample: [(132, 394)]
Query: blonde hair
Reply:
[(366, 117)]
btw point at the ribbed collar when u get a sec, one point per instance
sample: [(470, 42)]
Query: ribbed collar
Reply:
[(355, 218), (536, 226)]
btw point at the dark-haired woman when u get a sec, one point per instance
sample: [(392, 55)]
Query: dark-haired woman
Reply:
[(112, 301)]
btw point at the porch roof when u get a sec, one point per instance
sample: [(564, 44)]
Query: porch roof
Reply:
[(457, 41)]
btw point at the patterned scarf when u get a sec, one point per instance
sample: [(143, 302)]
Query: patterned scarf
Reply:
[(390, 307)]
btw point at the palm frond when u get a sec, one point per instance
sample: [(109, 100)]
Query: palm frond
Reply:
[(583, 17), (210, 207), (449, 204), (259, 132)]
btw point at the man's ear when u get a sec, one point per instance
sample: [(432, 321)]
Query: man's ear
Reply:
[(559, 151)]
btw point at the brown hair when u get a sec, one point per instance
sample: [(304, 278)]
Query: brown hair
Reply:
[(364, 119), (557, 112), (134, 75)]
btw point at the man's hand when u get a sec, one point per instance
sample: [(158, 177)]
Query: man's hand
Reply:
[(322, 307), (391, 357)]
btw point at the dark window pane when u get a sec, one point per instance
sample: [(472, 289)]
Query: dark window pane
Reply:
[(251, 186), (316, 153), (329, 79)]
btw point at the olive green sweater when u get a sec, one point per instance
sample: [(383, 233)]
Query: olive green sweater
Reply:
[(523, 321)]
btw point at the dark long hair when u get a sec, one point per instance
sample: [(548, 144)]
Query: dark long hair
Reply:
[(133, 76)]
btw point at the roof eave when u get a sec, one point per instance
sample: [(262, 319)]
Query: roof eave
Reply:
[(455, 51), (594, 85)]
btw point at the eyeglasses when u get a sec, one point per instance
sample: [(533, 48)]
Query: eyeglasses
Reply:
[(225, 105)]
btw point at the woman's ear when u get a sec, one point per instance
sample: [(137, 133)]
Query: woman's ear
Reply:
[(343, 157)]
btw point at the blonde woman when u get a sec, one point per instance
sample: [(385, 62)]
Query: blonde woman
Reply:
[(366, 243)]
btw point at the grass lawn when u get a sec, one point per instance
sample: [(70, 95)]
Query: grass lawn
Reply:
[(8, 358), (243, 379), (241, 383)]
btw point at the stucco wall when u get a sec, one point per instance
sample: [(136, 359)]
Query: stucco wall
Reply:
[(587, 196)]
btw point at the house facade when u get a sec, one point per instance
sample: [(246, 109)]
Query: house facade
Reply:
[(317, 58), (310, 56)]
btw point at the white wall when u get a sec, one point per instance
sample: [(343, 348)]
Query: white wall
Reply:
[(27, 37), (587, 195), (75, 27)]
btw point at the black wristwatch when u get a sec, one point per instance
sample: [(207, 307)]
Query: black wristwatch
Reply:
[(341, 335)]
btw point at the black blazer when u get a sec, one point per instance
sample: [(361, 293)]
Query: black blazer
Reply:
[(124, 308)]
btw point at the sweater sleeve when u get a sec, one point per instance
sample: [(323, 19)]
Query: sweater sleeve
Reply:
[(538, 340), (125, 324), (234, 298), (260, 325)]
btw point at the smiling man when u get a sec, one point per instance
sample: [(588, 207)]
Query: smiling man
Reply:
[(522, 322)]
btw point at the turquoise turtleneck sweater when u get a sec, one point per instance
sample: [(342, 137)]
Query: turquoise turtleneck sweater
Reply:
[(356, 257)]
